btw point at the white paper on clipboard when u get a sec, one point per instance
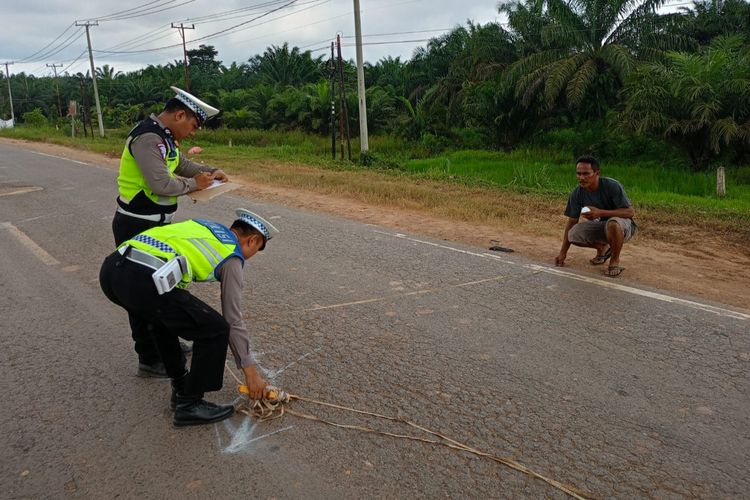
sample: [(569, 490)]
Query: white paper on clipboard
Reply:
[(212, 191)]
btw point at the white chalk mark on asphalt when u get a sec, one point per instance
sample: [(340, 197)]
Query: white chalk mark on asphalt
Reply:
[(407, 294), (38, 251), (606, 284), (242, 436), (22, 190), (272, 374)]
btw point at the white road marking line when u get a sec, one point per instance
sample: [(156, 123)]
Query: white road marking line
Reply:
[(29, 189), (643, 293), (594, 281), (58, 157), (407, 294), (38, 251)]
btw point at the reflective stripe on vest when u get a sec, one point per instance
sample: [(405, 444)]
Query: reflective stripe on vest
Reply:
[(130, 181), (205, 244)]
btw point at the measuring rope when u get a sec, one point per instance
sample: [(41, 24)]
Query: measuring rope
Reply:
[(273, 406)]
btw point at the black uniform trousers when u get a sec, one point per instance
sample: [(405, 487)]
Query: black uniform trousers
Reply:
[(174, 314), (124, 228)]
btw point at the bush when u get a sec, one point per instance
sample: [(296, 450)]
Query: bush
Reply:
[(35, 118), (373, 160), (434, 144)]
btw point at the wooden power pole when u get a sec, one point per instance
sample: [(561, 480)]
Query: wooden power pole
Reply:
[(57, 86), (10, 94), (181, 28), (344, 113), (88, 24)]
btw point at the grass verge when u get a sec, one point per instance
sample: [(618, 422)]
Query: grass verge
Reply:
[(522, 188)]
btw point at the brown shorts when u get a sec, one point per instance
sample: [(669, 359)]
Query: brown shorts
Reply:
[(592, 232)]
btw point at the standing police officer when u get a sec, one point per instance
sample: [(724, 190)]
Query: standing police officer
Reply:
[(153, 173), (137, 277)]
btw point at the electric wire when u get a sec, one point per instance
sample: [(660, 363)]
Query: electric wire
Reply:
[(226, 31), (70, 40), (143, 9), (151, 11), (45, 47)]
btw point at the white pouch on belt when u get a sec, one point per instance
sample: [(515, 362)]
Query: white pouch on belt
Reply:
[(169, 275)]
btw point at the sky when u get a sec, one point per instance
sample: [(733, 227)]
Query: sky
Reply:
[(43, 32)]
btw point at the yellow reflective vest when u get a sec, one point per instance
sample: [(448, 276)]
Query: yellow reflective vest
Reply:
[(205, 244), (131, 182)]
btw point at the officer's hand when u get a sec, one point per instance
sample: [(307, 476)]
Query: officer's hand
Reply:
[(203, 180), (219, 175), (255, 383)]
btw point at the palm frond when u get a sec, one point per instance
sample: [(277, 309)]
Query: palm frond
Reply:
[(580, 83)]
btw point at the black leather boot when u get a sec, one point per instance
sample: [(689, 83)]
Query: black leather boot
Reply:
[(193, 410), (178, 387)]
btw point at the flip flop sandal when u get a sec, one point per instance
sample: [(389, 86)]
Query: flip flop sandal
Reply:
[(614, 271), (601, 259)]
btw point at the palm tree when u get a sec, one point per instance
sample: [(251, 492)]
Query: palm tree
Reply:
[(279, 66), (107, 73), (588, 48), (701, 102)]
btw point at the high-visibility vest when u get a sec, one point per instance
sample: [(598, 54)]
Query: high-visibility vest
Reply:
[(135, 194), (205, 244)]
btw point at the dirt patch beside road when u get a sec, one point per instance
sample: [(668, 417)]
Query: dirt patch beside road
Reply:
[(694, 260)]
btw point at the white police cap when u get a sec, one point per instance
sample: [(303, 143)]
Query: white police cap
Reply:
[(201, 109), (266, 228)]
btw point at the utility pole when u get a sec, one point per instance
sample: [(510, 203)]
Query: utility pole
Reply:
[(333, 103), (181, 28), (344, 113), (10, 95), (363, 141), (93, 75), (57, 85)]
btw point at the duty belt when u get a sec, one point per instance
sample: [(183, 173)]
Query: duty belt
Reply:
[(141, 257), (153, 217)]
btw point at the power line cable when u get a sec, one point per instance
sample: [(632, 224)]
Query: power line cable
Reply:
[(149, 12), (59, 48), (131, 11), (230, 13), (225, 31), (45, 47)]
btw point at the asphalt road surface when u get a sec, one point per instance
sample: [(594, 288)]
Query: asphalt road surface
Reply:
[(618, 390)]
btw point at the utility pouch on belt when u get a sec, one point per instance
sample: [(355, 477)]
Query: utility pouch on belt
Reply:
[(170, 274)]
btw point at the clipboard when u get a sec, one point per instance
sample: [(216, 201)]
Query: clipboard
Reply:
[(212, 191)]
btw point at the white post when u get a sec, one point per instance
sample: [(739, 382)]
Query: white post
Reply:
[(363, 141), (721, 187)]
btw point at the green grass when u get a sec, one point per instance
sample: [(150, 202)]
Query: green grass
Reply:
[(647, 183)]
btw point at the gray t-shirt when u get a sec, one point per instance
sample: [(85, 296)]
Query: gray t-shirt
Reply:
[(609, 196)]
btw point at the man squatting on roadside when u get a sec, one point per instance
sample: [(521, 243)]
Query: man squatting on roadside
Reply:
[(608, 212)]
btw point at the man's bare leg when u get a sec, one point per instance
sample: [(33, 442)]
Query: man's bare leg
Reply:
[(616, 239)]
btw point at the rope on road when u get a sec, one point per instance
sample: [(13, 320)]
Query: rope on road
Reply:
[(272, 406)]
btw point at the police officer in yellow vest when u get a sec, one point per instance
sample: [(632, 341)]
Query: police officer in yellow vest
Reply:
[(147, 276), (153, 173)]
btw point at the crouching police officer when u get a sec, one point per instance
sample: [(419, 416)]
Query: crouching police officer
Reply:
[(147, 276)]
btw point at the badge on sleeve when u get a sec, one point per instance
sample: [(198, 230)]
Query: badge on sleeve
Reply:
[(163, 150)]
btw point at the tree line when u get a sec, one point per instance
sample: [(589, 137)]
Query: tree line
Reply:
[(590, 74)]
